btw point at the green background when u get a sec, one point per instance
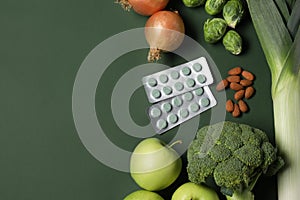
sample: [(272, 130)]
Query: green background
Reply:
[(42, 45)]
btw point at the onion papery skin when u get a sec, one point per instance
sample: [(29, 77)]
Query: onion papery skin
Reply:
[(148, 7), (164, 31)]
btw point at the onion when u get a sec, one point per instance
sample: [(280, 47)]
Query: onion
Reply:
[(144, 7), (164, 31)]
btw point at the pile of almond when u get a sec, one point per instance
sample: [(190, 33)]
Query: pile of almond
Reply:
[(241, 82)]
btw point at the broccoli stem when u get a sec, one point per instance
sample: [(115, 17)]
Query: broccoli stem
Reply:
[(245, 195)]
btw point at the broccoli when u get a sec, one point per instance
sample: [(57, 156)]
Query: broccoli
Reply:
[(234, 155)]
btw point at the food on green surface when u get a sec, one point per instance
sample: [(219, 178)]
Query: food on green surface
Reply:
[(233, 12), (144, 7), (243, 106), (236, 86), (248, 75), (232, 42), (240, 81), (236, 110), (279, 36), (239, 94), (143, 195), (234, 155), (214, 7), (214, 29), (246, 82), (235, 71), (235, 79), (249, 92), (222, 85), (164, 31), (229, 105), (193, 191), (193, 3), (154, 165)]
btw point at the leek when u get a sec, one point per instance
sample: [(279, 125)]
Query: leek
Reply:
[(276, 23)]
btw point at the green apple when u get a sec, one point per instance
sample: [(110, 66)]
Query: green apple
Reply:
[(143, 195), (192, 191), (154, 165)]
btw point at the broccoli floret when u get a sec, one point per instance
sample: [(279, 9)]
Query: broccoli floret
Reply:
[(275, 167), (234, 155), (250, 155), (233, 141), (269, 154), (202, 134), (203, 167), (230, 174), (261, 134), (219, 153), (249, 137), (244, 127)]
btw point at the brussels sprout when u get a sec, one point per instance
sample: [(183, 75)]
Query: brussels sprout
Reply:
[(193, 3), (214, 7), (214, 29), (233, 12), (232, 42)]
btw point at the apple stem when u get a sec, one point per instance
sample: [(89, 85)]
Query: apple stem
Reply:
[(176, 142)]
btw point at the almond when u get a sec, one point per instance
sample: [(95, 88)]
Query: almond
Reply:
[(235, 71), (248, 75), (236, 86), (245, 82), (239, 95), (249, 92), (229, 105), (222, 85), (236, 111), (235, 79), (243, 106)]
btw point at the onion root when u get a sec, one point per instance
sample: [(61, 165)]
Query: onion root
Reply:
[(125, 4), (154, 54)]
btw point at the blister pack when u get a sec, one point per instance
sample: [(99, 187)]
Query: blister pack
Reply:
[(171, 112), (177, 80)]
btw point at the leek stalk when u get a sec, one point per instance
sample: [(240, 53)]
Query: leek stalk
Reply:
[(276, 23)]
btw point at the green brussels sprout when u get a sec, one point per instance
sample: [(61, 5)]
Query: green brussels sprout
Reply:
[(233, 12), (232, 42), (214, 29), (193, 3), (214, 7)]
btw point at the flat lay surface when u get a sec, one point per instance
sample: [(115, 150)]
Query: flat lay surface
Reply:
[(44, 44)]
